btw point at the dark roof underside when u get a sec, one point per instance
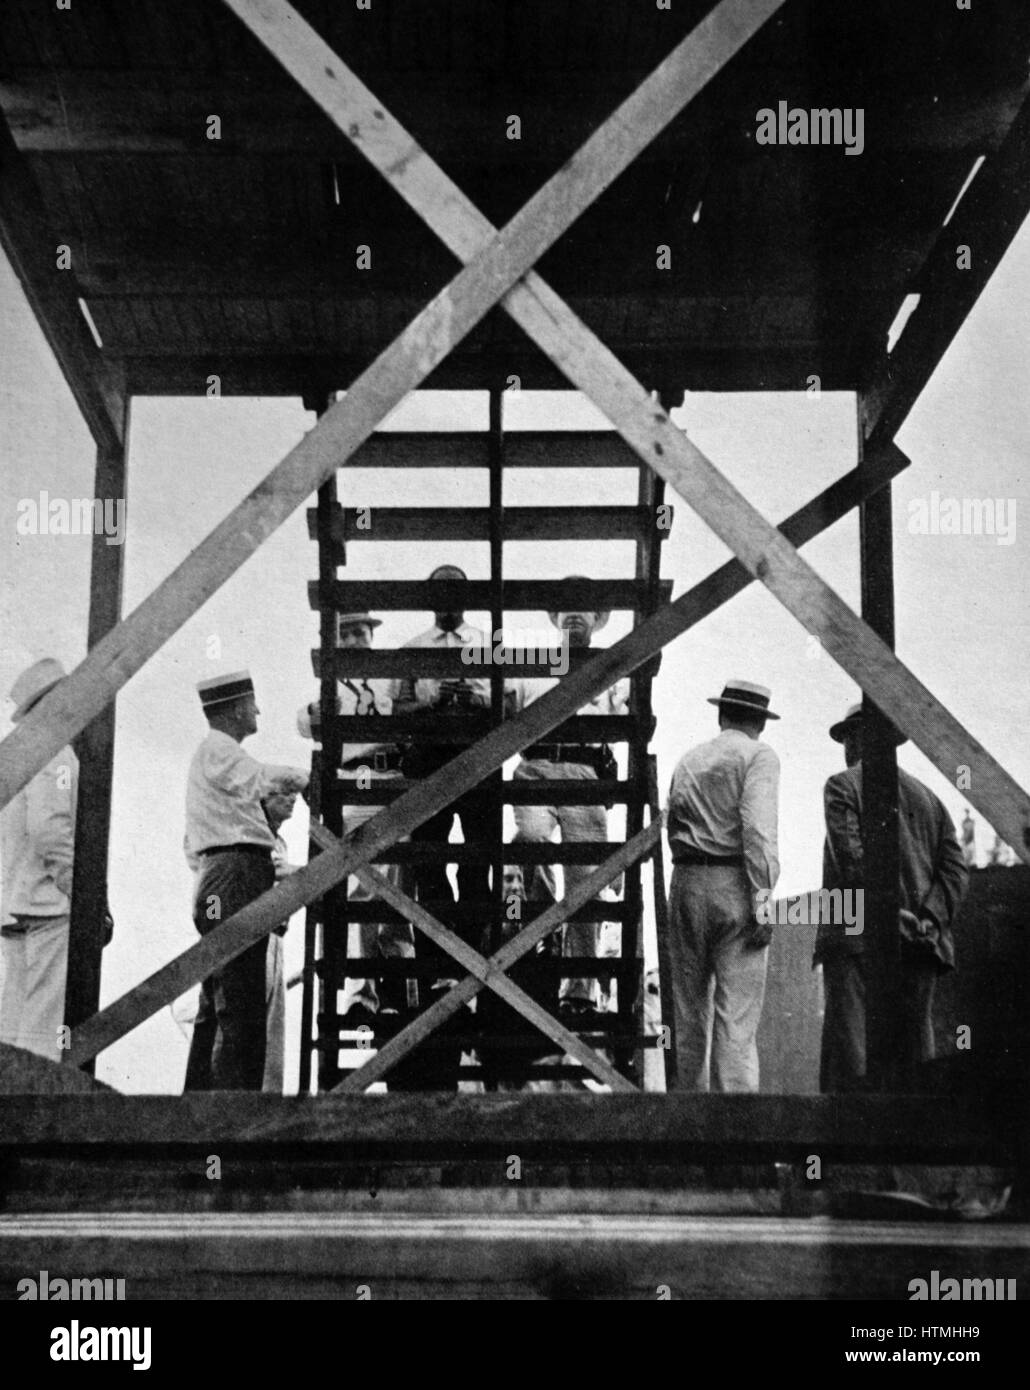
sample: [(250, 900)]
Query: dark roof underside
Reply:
[(237, 256)]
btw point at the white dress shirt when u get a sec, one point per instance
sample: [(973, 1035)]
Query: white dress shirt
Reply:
[(37, 842), (723, 801), (427, 691), (523, 690), (224, 790), (356, 696)]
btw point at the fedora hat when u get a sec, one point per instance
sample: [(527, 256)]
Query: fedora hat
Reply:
[(745, 695), (40, 677), (853, 719), (602, 615), (354, 619)]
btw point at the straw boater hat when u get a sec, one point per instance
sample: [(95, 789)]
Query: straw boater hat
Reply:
[(853, 720), (32, 684), (354, 619), (602, 616), (745, 695), (222, 690)]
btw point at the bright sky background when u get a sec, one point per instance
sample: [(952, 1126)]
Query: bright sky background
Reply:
[(962, 623)]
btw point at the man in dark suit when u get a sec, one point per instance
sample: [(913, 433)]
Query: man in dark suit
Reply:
[(932, 882)]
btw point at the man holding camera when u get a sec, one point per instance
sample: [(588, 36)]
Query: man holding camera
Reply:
[(428, 696)]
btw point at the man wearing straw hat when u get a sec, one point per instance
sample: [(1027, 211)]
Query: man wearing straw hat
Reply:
[(37, 842), (227, 828), (722, 828)]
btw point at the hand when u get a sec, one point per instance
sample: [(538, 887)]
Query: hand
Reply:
[(758, 936), (108, 927)]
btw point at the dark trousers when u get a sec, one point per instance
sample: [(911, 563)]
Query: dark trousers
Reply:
[(228, 1048), (474, 811), (843, 1059)]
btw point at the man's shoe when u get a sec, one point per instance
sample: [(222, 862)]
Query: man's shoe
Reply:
[(577, 1011)]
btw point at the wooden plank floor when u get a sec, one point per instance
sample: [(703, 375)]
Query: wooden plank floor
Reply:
[(320, 1255)]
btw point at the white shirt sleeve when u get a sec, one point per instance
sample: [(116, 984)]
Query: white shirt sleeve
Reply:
[(759, 803)]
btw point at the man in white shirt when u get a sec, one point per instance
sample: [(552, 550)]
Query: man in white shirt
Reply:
[(473, 810), (376, 762), (722, 823), (227, 828), (536, 824), (37, 842)]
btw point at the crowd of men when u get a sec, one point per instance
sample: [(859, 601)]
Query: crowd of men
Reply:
[(722, 823)]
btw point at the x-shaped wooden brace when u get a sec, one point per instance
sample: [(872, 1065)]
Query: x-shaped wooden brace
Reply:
[(491, 973), (498, 269)]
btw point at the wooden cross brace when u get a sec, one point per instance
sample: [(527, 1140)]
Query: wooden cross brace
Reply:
[(491, 973)]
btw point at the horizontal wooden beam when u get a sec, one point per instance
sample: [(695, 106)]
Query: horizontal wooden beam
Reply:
[(556, 792), (515, 852), (381, 524), (520, 595), (677, 1128), (466, 728), (427, 663), (742, 365), (470, 449), (32, 247), (65, 111)]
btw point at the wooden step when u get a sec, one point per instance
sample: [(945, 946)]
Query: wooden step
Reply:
[(463, 914), (476, 595), (439, 727), (527, 1255), (607, 523), (454, 663), (515, 852), (560, 792), (472, 449)]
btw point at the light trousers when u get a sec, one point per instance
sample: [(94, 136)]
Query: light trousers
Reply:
[(718, 983), (536, 825), (35, 968)]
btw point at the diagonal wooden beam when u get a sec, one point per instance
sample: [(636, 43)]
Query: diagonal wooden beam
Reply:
[(645, 426), (497, 264), (404, 1042), (608, 665)]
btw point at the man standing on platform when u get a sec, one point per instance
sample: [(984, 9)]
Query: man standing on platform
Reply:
[(430, 696), (37, 842), (227, 828), (932, 881), (722, 827), (584, 762), (374, 761)]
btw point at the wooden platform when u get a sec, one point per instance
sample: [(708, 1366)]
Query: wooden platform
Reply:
[(499, 1257)]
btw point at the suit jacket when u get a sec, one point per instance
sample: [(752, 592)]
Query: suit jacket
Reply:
[(933, 874)]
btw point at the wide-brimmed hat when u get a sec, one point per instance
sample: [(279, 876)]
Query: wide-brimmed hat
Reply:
[(40, 677), (745, 695), (353, 619), (853, 719), (602, 616), (221, 690)]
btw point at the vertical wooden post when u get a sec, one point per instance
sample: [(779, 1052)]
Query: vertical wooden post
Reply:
[(95, 750), (880, 804), (496, 458)]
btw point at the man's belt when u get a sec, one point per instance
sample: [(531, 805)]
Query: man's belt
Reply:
[(586, 754), (265, 851), (386, 759), (696, 856)]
